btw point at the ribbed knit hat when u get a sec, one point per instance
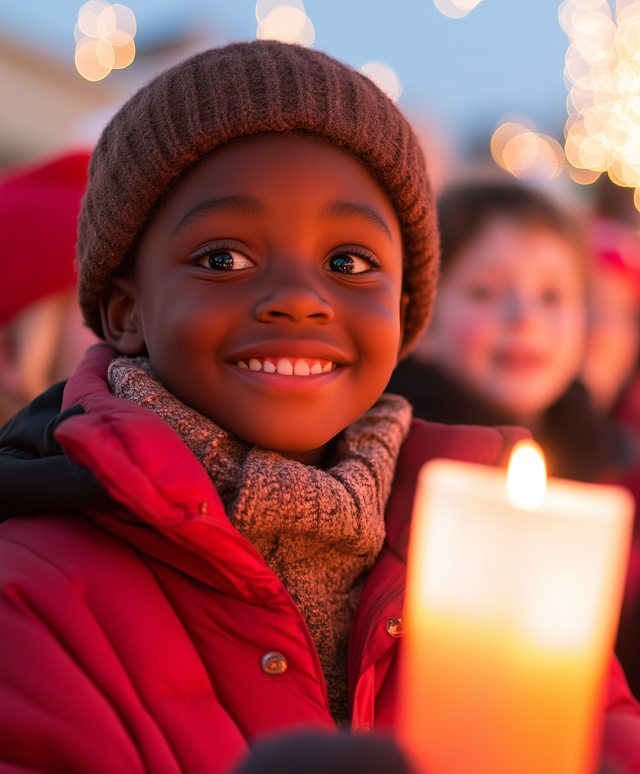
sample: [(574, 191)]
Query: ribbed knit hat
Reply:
[(237, 91)]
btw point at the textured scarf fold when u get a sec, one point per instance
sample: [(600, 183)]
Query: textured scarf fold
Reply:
[(320, 531)]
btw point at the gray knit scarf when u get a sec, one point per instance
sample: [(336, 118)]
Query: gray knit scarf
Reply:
[(320, 531)]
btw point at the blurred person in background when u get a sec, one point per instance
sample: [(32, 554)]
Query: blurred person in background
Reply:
[(509, 330), (614, 322), (42, 334), (610, 373)]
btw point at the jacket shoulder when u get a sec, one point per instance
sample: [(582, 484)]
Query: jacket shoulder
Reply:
[(432, 440), (467, 443), (84, 618)]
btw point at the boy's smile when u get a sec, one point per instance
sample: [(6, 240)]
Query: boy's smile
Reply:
[(267, 290)]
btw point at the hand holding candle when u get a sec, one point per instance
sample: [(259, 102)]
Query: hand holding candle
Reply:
[(513, 596)]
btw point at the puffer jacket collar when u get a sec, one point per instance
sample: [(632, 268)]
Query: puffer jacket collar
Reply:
[(142, 464)]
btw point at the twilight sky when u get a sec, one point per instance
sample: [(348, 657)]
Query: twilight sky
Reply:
[(505, 56)]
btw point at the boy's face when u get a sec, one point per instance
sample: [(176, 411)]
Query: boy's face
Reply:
[(271, 256), (510, 318)]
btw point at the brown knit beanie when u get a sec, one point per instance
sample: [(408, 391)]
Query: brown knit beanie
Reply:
[(237, 91)]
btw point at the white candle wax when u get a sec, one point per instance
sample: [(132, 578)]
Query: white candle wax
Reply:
[(511, 616)]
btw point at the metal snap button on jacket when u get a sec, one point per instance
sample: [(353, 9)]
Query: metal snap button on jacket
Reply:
[(396, 627), (273, 663)]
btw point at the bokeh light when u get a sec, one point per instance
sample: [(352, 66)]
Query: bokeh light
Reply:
[(602, 72), (525, 153), (466, 5), (384, 77), (88, 61), (582, 176), (117, 23), (288, 23), (88, 17), (456, 9), (264, 7), (104, 39)]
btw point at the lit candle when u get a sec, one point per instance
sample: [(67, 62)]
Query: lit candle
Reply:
[(513, 597)]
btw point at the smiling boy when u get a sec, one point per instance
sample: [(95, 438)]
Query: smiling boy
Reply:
[(222, 553), (258, 297)]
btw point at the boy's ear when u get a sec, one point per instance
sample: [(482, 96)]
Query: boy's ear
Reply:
[(119, 310)]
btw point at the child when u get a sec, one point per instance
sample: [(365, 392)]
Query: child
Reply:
[(42, 336), (257, 245), (609, 374), (508, 336), (614, 320)]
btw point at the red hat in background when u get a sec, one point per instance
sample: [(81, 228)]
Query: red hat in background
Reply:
[(616, 246), (39, 208)]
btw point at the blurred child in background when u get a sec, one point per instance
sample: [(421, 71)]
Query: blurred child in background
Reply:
[(614, 321), (42, 335), (611, 376), (509, 331)]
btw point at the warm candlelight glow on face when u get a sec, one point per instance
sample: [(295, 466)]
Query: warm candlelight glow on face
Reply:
[(527, 477)]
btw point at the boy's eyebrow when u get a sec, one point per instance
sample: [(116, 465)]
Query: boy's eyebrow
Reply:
[(348, 211), (246, 205)]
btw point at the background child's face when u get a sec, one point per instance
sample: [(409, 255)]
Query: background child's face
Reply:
[(272, 255), (510, 318)]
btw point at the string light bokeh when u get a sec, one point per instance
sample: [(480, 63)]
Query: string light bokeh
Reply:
[(104, 37), (286, 22), (525, 153), (602, 73)]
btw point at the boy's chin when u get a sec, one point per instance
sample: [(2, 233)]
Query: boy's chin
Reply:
[(302, 441), (301, 430), (310, 449)]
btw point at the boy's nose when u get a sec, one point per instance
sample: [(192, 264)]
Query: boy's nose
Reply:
[(295, 303)]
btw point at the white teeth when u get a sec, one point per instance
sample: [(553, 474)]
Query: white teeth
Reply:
[(287, 366), (301, 368), (284, 367)]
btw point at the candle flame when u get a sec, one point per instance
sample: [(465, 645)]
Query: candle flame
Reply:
[(527, 476)]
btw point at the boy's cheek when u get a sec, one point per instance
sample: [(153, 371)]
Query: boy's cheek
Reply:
[(377, 332)]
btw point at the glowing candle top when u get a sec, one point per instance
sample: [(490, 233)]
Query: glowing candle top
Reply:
[(527, 476)]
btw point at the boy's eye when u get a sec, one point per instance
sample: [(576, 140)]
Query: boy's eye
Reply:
[(347, 263), (226, 260)]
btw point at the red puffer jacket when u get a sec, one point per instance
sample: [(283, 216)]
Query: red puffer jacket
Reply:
[(133, 636)]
